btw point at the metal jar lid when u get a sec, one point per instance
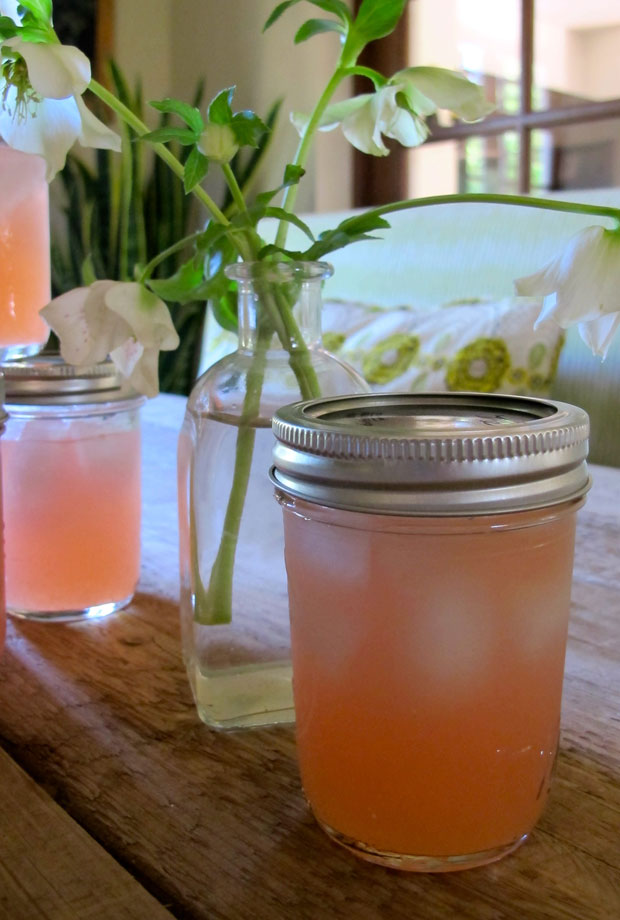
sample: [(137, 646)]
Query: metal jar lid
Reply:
[(431, 453), (48, 380)]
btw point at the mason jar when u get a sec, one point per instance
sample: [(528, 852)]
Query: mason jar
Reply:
[(429, 550), (3, 418), (71, 489)]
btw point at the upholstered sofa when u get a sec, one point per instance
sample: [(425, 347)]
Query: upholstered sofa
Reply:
[(431, 305)]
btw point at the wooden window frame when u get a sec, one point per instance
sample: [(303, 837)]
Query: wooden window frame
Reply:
[(373, 184)]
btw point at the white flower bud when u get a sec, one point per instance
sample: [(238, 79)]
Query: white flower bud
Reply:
[(218, 143)]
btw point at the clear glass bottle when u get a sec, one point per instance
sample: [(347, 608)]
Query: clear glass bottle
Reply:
[(234, 604), (428, 660), (71, 490)]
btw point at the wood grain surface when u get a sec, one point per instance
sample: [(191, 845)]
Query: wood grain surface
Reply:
[(51, 868), (215, 825)]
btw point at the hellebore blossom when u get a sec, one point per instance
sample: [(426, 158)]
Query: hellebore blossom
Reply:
[(582, 286), (41, 109), (121, 319), (398, 108)]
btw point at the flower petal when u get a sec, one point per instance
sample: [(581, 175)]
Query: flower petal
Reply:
[(598, 333), (55, 71), (139, 365), (360, 129), (146, 315), (49, 132), (66, 316), (94, 133), (447, 89)]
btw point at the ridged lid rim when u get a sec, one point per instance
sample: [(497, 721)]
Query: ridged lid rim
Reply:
[(468, 452)]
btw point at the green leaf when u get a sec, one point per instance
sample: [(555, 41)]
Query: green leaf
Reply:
[(292, 175), (248, 128), (315, 27), (180, 287), (337, 7), (220, 111), (378, 18), (351, 230), (281, 214), (8, 29), (375, 19), (224, 309), (187, 113), (167, 134), (196, 168), (42, 9)]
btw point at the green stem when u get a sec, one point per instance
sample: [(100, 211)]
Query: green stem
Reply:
[(150, 267), (215, 604), (305, 143), (140, 128), (546, 204), (233, 185)]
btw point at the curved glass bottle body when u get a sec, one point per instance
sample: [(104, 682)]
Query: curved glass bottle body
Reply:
[(234, 601)]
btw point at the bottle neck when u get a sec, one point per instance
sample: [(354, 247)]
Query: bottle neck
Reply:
[(263, 304)]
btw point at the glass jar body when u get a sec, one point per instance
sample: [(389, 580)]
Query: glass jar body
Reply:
[(428, 667), (234, 606), (24, 253), (72, 509)]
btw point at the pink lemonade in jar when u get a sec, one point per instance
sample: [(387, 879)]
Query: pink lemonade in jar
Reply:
[(24, 252), (429, 544), (428, 664), (71, 489), (72, 519)]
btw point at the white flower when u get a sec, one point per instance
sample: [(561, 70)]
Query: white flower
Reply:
[(399, 108), (121, 319), (42, 111), (582, 286)]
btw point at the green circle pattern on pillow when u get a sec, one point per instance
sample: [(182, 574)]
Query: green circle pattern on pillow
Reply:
[(390, 358), (480, 366)]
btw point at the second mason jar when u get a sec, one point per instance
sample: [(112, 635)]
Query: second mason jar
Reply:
[(429, 550), (71, 487), (234, 608)]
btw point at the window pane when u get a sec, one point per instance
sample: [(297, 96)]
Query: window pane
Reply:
[(576, 52), (576, 156), (477, 164), (480, 37)]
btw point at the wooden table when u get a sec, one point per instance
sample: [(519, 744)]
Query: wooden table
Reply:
[(116, 802)]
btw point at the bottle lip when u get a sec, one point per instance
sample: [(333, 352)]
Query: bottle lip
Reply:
[(432, 453), (278, 271), (48, 380)]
